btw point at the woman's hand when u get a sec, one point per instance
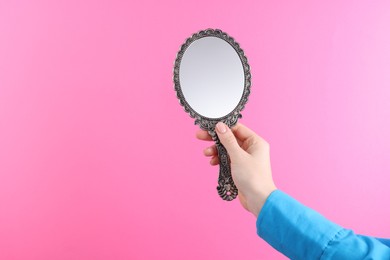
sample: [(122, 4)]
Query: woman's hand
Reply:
[(250, 163)]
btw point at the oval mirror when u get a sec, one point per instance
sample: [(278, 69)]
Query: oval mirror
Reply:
[(212, 81)]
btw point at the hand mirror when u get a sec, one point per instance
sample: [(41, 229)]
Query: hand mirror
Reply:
[(212, 82)]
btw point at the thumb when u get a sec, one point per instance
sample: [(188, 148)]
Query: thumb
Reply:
[(228, 139)]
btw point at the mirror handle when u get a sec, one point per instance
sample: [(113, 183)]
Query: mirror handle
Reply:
[(226, 188)]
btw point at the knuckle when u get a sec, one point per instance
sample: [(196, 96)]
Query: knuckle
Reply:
[(230, 139), (263, 144)]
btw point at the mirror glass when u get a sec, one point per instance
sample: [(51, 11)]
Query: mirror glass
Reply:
[(211, 77)]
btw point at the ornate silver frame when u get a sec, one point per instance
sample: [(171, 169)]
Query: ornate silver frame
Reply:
[(227, 190)]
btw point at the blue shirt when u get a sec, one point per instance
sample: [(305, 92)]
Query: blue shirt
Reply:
[(299, 232)]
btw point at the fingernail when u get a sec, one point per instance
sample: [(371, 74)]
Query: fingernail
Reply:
[(221, 127)]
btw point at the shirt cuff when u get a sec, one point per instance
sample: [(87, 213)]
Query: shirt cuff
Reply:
[(294, 229)]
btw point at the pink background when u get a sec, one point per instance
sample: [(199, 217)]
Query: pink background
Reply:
[(99, 161)]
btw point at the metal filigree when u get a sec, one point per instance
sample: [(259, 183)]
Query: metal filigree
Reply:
[(227, 190)]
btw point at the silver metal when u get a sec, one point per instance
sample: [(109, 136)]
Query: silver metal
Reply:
[(227, 190)]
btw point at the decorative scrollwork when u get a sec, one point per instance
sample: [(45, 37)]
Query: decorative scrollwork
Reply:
[(227, 190)]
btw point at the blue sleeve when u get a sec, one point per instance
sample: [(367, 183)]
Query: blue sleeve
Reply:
[(301, 233)]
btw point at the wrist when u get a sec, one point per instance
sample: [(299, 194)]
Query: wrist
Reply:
[(257, 200)]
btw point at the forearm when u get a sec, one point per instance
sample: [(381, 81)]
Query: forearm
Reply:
[(301, 233)]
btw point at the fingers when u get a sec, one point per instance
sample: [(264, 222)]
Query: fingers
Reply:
[(236, 140), (210, 151), (247, 138), (228, 140), (203, 135), (214, 160), (242, 132)]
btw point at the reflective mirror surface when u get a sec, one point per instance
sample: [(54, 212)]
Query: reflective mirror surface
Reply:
[(211, 77)]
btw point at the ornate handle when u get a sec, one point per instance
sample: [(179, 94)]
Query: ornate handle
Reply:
[(227, 190)]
